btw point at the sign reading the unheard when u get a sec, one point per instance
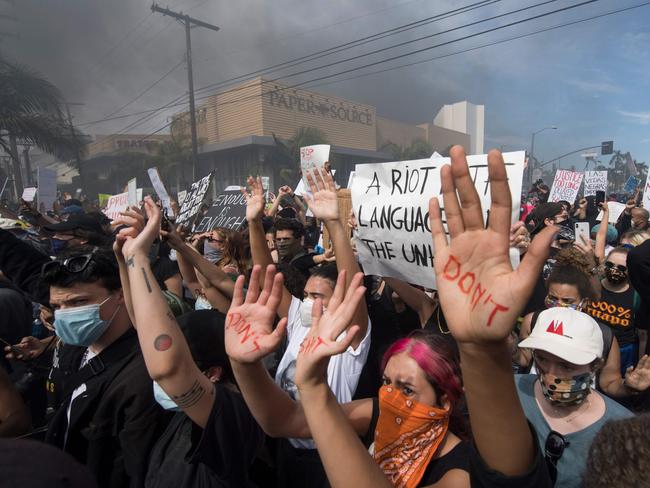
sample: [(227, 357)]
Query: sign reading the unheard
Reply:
[(595, 181), (228, 210), (391, 204), (193, 200), (565, 186)]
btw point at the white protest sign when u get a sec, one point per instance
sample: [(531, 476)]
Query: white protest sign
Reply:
[(193, 200), (132, 190), (646, 193), (116, 204), (312, 157), (159, 186), (595, 181), (615, 211), (46, 188), (391, 204), (29, 193), (181, 196), (565, 186)]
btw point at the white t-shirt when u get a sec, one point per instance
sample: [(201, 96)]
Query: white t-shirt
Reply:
[(342, 373)]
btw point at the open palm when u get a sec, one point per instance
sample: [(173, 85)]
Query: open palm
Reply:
[(480, 294), (249, 333), (255, 200), (323, 202)]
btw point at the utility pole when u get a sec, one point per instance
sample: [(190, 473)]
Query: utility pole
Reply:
[(188, 22), (28, 165)]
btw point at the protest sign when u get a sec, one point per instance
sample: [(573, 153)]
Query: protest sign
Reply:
[(646, 193), (132, 190), (595, 181), (565, 186), (29, 194), (228, 210), (391, 204), (180, 197), (193, 200), (312, 157), (161, 191), (116, 204), (46, 193), (615, 211), (631, 184)]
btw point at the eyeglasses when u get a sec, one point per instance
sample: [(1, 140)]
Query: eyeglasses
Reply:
[(553, 450), (76, 264), (619, 267)]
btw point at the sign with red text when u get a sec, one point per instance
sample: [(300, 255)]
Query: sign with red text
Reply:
[(595, 181), (391, 204), (116, 204), (566, 186), (312, 157)]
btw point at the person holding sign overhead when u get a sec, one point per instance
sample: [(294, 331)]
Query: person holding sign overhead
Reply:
[(299, 461)]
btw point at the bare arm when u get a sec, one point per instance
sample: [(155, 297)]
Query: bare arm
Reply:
[(175, 285), (601, 235), (413, 297), (166, 353), (525, 355)]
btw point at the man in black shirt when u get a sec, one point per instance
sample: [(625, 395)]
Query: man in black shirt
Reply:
[(288, 234)]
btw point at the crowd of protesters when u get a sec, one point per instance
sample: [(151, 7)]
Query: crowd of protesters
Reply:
[(139, 354)]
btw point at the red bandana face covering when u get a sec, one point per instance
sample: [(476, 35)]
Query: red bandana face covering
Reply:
[(408, 434)]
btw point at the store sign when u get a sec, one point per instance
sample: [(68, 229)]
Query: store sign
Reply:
[(339, 111)]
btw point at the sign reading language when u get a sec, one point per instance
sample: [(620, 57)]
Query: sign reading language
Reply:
[(595, 181), (193, 200), (565, 186), (391, 204), (228, 210)]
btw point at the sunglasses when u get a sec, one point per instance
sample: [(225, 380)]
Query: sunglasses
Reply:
[(76, 264), (553, 450), (619, 267)]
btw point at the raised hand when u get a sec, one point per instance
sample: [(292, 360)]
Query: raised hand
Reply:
[(141, 241), (173, 237), (249, 333), (639, 378), (255, 200), (324, 338), (323, 202), (585, 247), (480, 294), (132, 217)]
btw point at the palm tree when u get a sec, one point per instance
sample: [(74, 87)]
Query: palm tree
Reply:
[(417, 149), (287, 153), (31, 113)]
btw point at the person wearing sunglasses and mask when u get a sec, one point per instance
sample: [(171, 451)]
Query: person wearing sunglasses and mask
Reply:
[(108, 419), (559, 401), (619, 307)]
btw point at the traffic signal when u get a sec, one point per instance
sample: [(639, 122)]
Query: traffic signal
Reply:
[(607, 147)]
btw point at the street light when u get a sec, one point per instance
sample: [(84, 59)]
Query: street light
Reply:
[(531, 157)]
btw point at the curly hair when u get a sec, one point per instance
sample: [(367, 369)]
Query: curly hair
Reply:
[(620, 454), (571, 256), (572, 275)]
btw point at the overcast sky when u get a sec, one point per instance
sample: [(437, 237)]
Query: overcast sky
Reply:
[(588, 79)]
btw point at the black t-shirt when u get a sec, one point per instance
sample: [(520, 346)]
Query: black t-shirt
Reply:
[(437, 324), (303, 262), (164, 268), (617, 310), (218, 456)]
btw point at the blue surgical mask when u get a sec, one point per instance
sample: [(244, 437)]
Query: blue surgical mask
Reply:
[(202, 303), (81, 326), (163, 399)]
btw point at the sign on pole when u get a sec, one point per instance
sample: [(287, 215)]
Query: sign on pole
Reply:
[(161, 191), (46, 193), (595, 181), (565, 186), (228, 210), (391, 204), (193, 200)]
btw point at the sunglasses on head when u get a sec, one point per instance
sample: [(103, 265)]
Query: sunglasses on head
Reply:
[(76, 264), (553, 450), (620, 267)]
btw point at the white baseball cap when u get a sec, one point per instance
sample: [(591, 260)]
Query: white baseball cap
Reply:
[(566, 333)]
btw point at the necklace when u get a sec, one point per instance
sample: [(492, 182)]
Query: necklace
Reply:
[(576, 414), (438, 320)]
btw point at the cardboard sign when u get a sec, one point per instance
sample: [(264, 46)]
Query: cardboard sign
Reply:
[(132, 190), (615, 211), (391, 204), (161, 191), (565, 186), (631, 184), (312, 157), (29, 194), (116, 204), (595, 181), (193, 200), (46, 194), (228, 210)]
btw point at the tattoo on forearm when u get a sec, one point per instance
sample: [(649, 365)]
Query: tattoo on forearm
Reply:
[(146, 279), (191, 397), (130, 261), (162, 342)]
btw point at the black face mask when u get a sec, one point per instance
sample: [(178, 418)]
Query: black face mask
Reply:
[(615, 276)]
